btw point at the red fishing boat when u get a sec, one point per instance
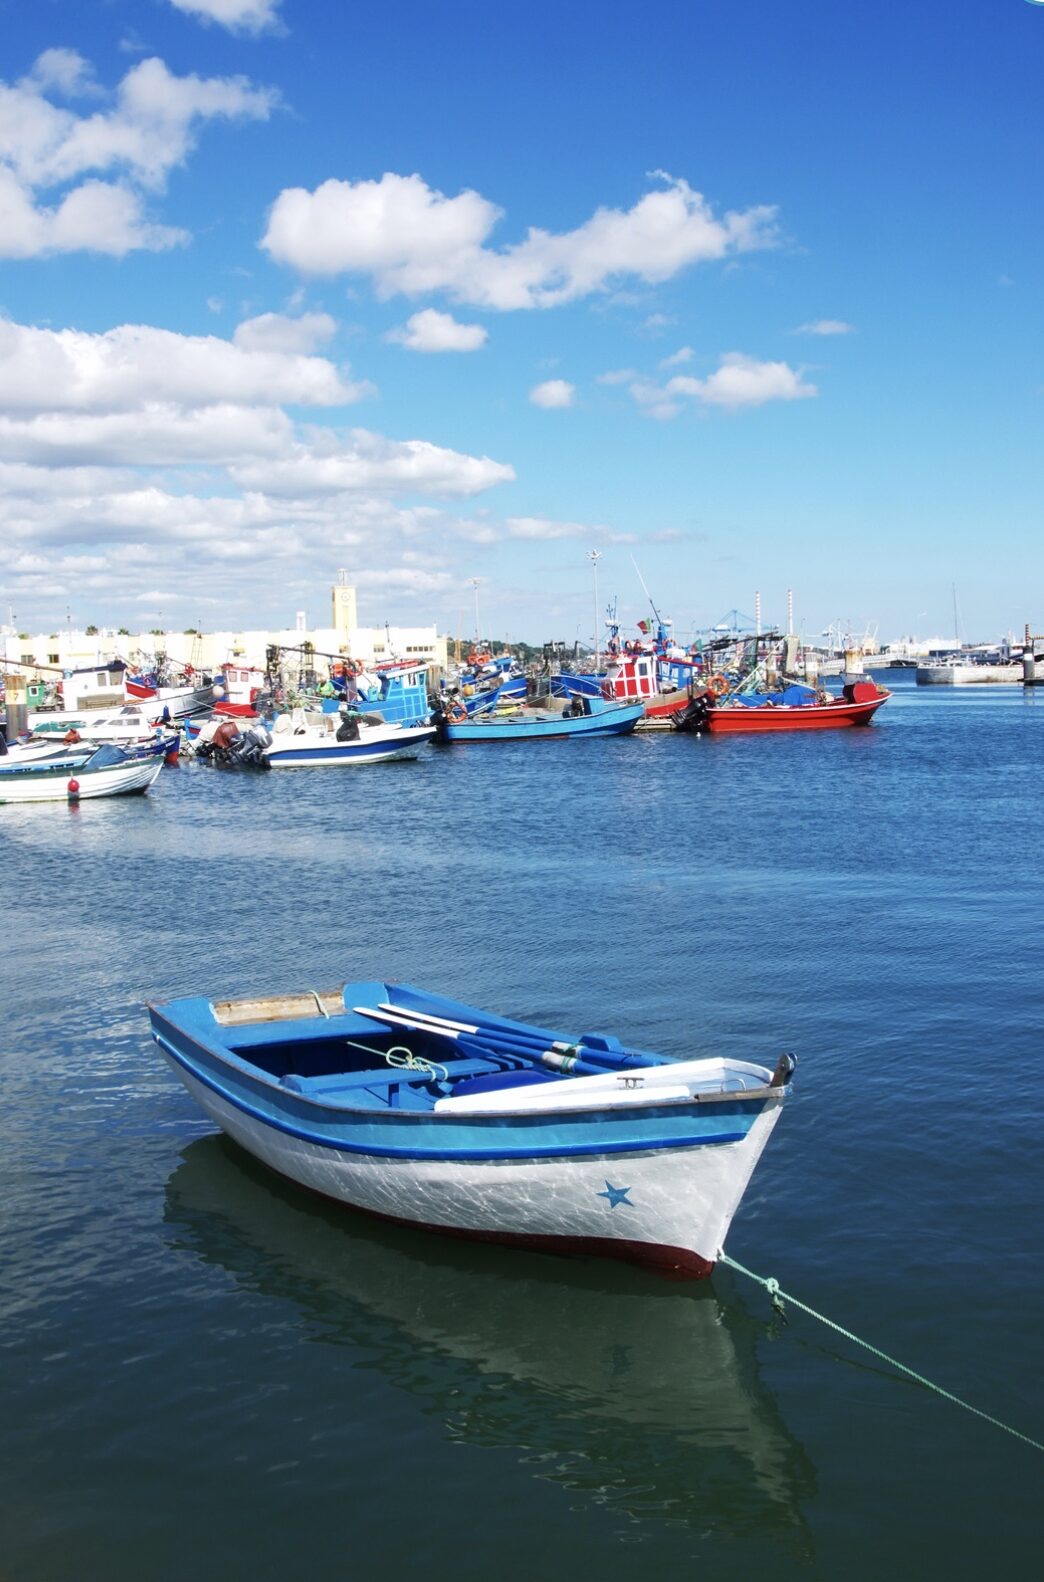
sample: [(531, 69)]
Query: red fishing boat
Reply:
[(794, 709)]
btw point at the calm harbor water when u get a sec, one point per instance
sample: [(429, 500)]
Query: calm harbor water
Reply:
[(205, 1371)]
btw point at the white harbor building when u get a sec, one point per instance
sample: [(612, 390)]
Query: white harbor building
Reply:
[(69, 649)]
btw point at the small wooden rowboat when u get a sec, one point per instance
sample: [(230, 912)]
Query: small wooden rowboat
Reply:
[(422, 1109)]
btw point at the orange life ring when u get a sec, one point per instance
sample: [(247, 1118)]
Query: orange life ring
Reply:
[(458, 712), (717, 686)]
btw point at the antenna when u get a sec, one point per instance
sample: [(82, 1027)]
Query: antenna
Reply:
[(594, 556), (648, 595)]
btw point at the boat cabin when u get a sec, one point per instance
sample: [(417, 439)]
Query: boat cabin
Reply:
[(400, 693), (241, 685), (94, 687), (629, 677)]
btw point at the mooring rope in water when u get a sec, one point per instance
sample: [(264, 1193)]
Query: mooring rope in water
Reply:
[(778, 1296)]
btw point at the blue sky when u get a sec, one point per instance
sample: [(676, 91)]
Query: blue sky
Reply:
[(748, 294)]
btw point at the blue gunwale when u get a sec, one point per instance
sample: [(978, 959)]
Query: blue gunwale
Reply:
[(217, 1055), (634, 1145)]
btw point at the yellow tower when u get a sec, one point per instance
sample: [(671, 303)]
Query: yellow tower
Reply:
[(345, 616)]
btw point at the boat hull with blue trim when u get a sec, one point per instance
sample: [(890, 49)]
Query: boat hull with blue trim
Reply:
[(599, 718), (420, 1109), (301, 740)]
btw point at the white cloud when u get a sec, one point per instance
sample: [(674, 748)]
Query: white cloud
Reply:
[(739, 381), (432, 331), (542, 528), (617, 376), (64, 70), (744, 381), (156, 434), (328, 462), (824, 327), (150, 127), (44, 370), (684, 354), (277, 332), (553, 393), (238, 16), (412, 239), (129, 454)]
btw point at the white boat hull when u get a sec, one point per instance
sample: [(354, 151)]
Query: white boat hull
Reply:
[(966, 675), (316, 746), (670, 1207), (40, 786)]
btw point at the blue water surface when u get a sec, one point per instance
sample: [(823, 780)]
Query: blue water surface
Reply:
[(207, 1372)]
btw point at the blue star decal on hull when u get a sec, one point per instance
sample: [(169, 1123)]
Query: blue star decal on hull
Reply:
[(616, 1195)]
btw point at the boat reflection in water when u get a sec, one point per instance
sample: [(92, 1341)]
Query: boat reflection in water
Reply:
[(642, 1396)]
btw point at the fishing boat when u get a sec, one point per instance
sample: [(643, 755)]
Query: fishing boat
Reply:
[(134, 722), (239, 691), (107, 771), (397, 689), (793, 708), (965, 670), (581, 717), (300, 739), (189, 696), (422, 1109)]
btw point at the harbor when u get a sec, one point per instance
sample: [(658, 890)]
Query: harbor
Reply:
[(521, 688), (181, 1324)]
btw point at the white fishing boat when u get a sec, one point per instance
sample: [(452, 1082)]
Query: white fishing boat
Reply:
[(303, 740), (133, 722), (957, 672), (105, 772)]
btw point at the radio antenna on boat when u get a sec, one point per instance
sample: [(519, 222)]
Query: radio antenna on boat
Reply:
[(648, 595), (594, 556)]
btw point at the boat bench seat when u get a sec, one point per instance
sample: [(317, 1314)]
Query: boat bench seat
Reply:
[(381, 1077)]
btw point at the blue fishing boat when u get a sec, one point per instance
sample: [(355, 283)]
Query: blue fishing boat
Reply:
[(423, 1109), (580, 717), (398, 690)]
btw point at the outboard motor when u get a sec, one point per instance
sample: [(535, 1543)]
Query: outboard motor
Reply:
[(693, 717), (247, 751)]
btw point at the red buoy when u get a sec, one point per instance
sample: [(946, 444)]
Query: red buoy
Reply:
[(73, 789)]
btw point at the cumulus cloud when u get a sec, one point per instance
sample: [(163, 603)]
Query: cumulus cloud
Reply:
[(738, 381), (328, 462), (411, 239), (238, 16), (684, 354), (617, 376), (64, 70), (432, 331), (824, 327), (278, 332), (52, 159), (123, 451), (542, 528), (124, 369), (553, 393)]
